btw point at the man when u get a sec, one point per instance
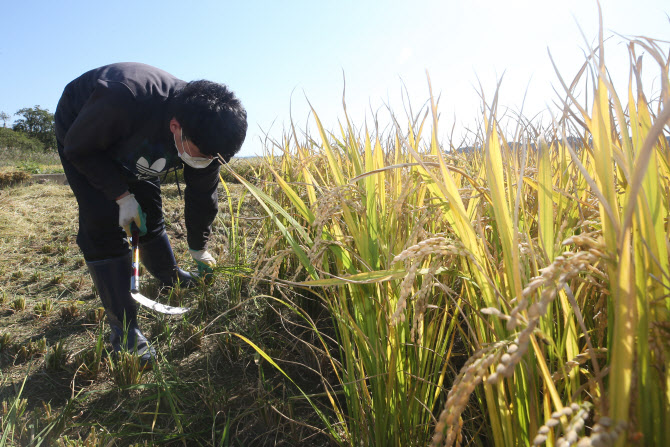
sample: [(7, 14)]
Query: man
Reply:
[(118, 128)]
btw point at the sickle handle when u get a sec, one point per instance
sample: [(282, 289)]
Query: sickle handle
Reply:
[(135, 278)]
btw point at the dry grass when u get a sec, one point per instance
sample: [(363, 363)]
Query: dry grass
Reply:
[(11, 177)]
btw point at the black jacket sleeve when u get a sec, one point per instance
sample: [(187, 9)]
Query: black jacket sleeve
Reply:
[(104, 119), (202, 203)]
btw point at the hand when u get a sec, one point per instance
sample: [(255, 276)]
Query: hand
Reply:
[(205, 262), (129, 212)]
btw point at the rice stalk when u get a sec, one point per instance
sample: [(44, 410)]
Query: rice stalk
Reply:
[(546, 255)]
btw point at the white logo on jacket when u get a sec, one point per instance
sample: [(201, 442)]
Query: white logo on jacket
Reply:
[(144, 170)]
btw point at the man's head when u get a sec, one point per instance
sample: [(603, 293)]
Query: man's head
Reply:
[(210, 116)]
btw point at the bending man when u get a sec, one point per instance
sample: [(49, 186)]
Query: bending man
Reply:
[(118, 128)]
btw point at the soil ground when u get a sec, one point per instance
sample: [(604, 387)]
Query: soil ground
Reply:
[(209, 387)]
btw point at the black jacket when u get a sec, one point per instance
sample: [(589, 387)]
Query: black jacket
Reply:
[(112, 124)]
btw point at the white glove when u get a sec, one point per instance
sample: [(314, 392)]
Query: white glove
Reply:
[(130, 211), (204, 260)]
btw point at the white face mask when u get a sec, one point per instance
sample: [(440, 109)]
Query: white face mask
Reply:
[(194, 162)]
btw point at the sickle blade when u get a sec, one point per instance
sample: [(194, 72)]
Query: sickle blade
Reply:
[(158, 307), (135, 283)]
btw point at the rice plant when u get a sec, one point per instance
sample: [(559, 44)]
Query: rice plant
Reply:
[(190, 335), (44, 308), (237, 248), (95, 315), (30, 349), (35, 277), (11, 413), (125, 369), (6, 341), (56, 357), (357, 208), (69, 311), (19, 304), (47, 248), (95, 438), (90, 361), (541, 256), (57, 279), (161, 330)]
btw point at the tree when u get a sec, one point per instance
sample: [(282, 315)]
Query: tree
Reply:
[(37, 123), (4, 117)]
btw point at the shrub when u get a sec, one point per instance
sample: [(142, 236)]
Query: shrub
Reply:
[(10, 139)]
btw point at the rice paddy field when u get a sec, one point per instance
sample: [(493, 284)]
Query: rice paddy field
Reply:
[(379, 289)]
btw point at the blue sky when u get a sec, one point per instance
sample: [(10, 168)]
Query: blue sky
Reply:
[(277, 55)]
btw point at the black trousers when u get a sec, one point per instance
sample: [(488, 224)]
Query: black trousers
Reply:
[(100, 236)]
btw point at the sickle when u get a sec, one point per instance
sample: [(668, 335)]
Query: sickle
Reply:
[(135, 284)]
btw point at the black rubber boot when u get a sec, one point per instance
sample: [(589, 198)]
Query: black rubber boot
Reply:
[(158, 258), (112, 280)]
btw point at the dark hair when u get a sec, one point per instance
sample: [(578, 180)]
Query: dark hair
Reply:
[(212, 117)]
